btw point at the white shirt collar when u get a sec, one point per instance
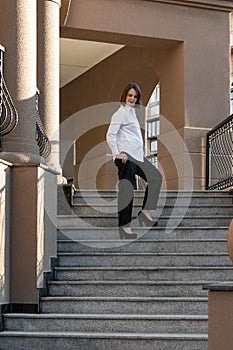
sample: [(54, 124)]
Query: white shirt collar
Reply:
[(128, 107)]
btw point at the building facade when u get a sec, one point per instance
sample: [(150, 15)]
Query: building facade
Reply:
[(163, 50), (167, 42)]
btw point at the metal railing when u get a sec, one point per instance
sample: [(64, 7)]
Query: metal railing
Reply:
[(8, 112), (9, 115), (219, 156), (41, 138)]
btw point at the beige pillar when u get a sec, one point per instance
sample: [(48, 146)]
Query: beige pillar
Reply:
[(18, 35), (48, 84), (220, 304), (48, 73), (24, 235)]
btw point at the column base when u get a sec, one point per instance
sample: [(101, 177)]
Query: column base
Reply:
[(18, 158)]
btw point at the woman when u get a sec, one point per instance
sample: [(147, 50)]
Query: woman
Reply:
[(125, 141)]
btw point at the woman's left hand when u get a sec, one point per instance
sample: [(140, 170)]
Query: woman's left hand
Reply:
[(123, 157)]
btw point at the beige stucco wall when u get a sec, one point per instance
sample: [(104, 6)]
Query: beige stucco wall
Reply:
[(145, 75), (173, 43)]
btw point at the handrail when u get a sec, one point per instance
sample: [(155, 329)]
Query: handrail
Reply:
[(219, 156)]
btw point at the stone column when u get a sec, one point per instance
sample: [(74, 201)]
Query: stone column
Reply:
[(18, 35), (48, 74), (28, 252), (48, 19)]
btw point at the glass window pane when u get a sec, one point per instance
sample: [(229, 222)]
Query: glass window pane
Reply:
[(153, 125), (153, 146)]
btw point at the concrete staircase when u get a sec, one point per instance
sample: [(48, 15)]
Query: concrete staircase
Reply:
[(118, 294)]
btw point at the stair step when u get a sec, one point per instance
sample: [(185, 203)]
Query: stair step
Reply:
[(107, 323), (145, 273), (124, 305), (130, 294), (169, 221), (128, 288), (104, 233), (103, 288), (145, 246), (100, 341), (143, 259), (181, 210), (171, 197)]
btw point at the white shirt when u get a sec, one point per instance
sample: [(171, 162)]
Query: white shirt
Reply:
[(124, 133)]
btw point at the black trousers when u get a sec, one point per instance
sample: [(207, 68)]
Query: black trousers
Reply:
[(127, 183)]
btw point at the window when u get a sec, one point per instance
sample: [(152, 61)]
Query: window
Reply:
[(153, 125)]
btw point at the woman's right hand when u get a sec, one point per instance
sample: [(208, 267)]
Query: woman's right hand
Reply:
[(123, 157)]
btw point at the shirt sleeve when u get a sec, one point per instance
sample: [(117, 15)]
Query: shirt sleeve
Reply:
[(113, 129)]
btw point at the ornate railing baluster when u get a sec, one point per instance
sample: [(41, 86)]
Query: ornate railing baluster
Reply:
[(41, 138), (1, 70), (9, 115), (1, 91), (8, 112), (219, 156)]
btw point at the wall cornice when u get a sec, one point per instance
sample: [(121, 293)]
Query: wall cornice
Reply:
[(219, 5)]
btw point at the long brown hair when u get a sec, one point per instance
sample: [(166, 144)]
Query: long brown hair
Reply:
[(127, 88)]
